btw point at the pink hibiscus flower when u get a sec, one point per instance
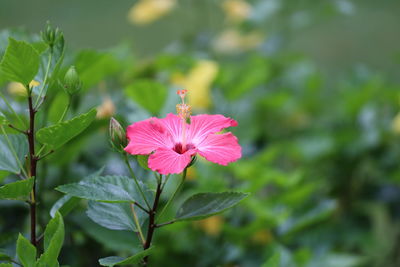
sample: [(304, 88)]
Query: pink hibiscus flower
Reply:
[(171, 142)]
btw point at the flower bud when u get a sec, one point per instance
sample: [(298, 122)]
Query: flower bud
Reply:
[(117, 136), (72, 83), (52, 35)]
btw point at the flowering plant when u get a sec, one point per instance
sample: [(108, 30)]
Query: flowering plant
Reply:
[(169, 146)]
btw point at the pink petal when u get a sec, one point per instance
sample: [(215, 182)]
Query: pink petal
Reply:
[(167, 161), (203, 125), (220, 148), (146, 136), (173, 124)]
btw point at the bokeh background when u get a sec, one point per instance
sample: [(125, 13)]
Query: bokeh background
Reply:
[(313, 84)]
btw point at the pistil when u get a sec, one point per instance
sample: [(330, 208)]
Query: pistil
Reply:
[(184, 111)]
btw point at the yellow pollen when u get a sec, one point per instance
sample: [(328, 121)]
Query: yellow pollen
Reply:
[(184, 110)]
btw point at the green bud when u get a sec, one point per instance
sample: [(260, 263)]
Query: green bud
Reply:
[(72, 83), (52, 35), (118, 138)]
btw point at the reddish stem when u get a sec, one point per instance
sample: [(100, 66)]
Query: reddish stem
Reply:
[(152, 226), (33, 163)]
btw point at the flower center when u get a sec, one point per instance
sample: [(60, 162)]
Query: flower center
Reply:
[(178, 148)]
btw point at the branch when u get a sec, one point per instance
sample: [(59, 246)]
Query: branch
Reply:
[(166, 223), (141, 207), (18, 130), (45, 155)]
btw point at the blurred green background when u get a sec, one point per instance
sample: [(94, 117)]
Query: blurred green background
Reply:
[(314, 86)]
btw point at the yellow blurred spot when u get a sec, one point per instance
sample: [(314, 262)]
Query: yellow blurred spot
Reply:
[(212, 225), (191, 173), (237, 10), (17, 89), (106, 109), (262, 237), (198, 83), (147, 11), (396, 124), (232, 41), (34, 83)]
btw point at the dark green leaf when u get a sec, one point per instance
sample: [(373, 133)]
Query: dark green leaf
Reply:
[(320, 212), (107, 189), (148, 94), (20, 62), (8, 161), (97, 191), (115, 216), (114, 260), (26, 252), (64, 205), (203, 205), (57, 135), (110, 239), (18, 190), (4, 257)]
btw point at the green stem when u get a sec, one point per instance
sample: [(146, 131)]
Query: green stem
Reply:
[(40, 150), (174, 194), (66, 109), (12, 110), (13, 151), (136, 181), (139, 228), (45, 79)]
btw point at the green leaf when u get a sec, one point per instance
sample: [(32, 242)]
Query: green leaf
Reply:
[(8, 161), (3, 120), (114, 260), (273, 261), (143, 161), (4, 257), (3, 175), (26, 252), (64, 205), (59, 134), (94, 66), (58, 106), (107, 189), (204, 205), (110, 239), (148, 94), (105, 192), (20, 62), (18, 190), (320, 212), (53, 240), (115, 216), (6, 265)]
